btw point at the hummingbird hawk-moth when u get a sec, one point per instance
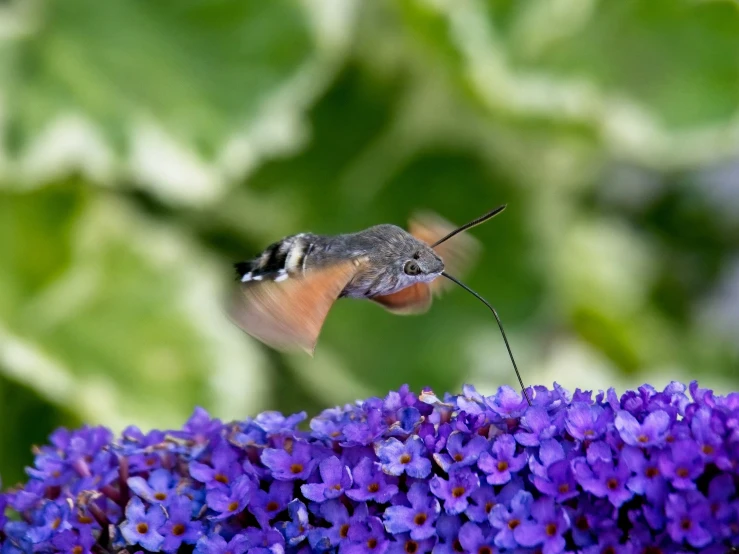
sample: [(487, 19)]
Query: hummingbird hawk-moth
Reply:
[(286, 292)]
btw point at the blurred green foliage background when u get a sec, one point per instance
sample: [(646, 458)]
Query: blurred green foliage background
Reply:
[(146, 146)]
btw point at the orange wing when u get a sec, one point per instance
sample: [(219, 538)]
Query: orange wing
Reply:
[(415, 299), (289, 314)]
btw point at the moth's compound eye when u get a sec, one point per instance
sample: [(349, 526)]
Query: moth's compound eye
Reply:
[(411, 268)]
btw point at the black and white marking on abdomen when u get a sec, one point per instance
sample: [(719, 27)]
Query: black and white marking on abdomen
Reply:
[(278, 261)]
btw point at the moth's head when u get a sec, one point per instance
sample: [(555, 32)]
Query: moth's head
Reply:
[(421, 262), (407, 257), (396, 259)]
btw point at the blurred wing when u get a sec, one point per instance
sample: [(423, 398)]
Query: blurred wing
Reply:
[(415, 299), (289, 314), (459, 253)]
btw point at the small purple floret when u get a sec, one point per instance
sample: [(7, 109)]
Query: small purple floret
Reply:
[(419, 518), (336, 479), (455, 492), (142, 525), (652, 432), (289, 466), (687, 519), (549, 523), (502, 461), (371, 483), (397, 458), (604, 480)]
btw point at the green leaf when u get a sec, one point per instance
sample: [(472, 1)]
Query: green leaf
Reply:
[(676, 58), (114, 317), (180, 97), (656, 83), (201, 68)]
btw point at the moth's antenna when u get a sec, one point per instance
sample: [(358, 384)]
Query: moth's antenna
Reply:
[(500, 324), (473, 223)]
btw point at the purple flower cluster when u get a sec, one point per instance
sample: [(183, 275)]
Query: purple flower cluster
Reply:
[(652, 471)]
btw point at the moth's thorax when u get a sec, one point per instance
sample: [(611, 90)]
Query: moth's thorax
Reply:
[(387, 249)]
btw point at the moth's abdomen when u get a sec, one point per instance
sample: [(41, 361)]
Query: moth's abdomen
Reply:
[(278, 261), (242, 268)]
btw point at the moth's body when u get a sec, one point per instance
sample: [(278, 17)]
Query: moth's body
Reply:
[(287, 291), (381, 253)]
